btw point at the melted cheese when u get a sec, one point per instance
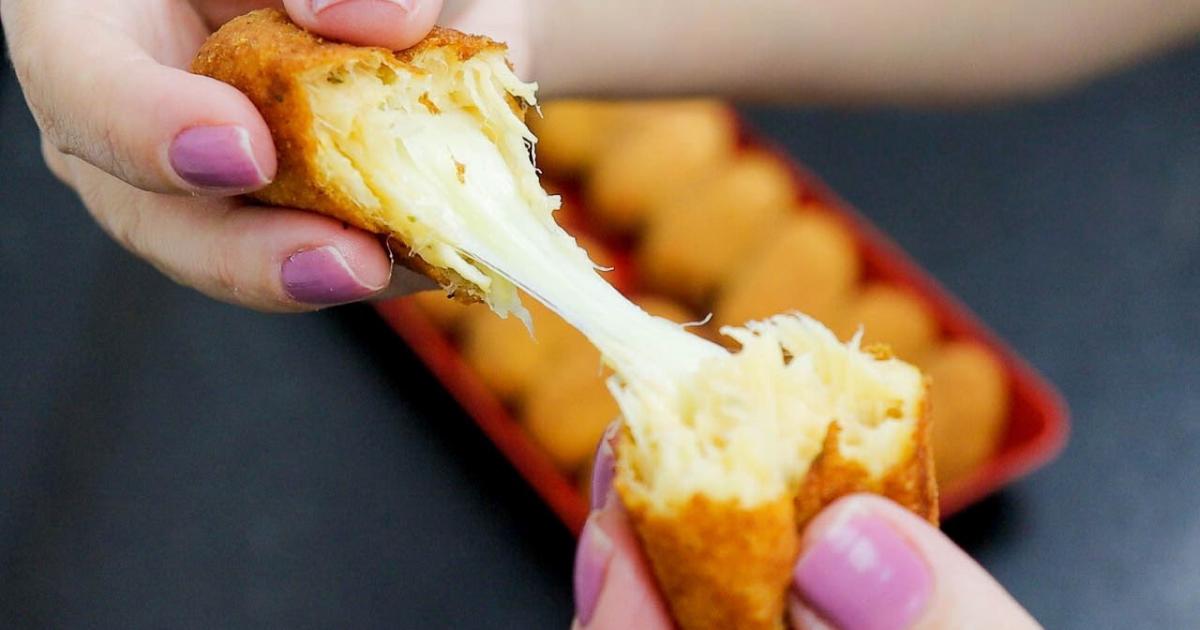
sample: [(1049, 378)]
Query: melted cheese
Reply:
[(437, 154)]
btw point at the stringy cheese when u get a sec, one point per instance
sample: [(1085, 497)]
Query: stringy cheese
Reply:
[(439, 155)]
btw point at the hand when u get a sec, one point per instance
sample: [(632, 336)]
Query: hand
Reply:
[(156, 153), (865, 564)]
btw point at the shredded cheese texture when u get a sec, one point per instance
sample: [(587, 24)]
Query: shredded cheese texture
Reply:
[(438, 154)]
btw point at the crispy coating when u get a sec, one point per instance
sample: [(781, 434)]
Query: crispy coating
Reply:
[(445, 312), (665, 308), (573, 133), (514, 363), (501, 352), (265, 55), (567, 411), (891, 315), (559, 343), (810, 264), (970, 397), (721, 565), (694, 241), (911, 483)]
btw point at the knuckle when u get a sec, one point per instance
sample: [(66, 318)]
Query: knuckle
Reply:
[(126, 226), (56, 163), (96, 134), (224, 272)]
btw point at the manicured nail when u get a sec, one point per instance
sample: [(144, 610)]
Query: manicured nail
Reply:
[(216, 157), (591, 565), (862, 575), (604, 467), (321, 5), (322, 276)]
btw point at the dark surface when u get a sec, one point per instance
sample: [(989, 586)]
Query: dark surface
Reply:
[(166, 461)]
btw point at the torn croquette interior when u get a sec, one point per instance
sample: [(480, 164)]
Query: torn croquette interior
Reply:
[(744, 427), (438, 151)]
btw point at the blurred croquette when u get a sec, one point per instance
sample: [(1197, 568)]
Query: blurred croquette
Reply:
[(657, 160), (691, 245), (810, 264)]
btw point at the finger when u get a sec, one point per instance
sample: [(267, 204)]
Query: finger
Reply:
[(271, 259), (159, 128), (614, 588), (866, 563), (804, 618), (604, 467), (405, 282), (395, 24)]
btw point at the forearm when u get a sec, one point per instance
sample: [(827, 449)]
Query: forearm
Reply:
[(845, 50)]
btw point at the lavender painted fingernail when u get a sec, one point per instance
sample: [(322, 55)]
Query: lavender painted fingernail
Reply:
[(604, 467), (591, 566), (216, 157), (321, 5), (861, 574), (322, 276)]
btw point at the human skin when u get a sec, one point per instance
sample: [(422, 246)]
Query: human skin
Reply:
[(864, 564), (157, 154)]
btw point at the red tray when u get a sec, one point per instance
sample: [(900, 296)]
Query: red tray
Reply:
[(1036, 428)]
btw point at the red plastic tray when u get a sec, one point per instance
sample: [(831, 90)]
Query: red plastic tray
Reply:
[(1036, 429)]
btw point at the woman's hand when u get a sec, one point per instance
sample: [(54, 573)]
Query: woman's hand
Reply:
[(156, 153), (865, 564)]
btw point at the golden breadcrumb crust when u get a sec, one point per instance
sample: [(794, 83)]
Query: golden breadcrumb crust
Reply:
[(722, 565), (265, 55)]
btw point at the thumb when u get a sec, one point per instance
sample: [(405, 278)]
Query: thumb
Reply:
[(867, 564), (394, 24)]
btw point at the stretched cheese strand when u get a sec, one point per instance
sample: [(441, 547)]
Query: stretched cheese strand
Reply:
[(459, 180), (446, 161)]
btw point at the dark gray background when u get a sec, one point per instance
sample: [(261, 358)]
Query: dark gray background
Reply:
[(166, 461)]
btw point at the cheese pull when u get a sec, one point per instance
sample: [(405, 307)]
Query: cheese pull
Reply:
[(723, 455)]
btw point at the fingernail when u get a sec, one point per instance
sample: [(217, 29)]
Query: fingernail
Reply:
[(591, 565), (322, 276), (321, 5), (604, 467), (860, 574), (216, 157)]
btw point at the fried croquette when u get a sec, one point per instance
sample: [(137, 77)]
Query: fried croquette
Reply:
[(809, 265), (502, 353), (890, 315), (572, 134), (969, 395), (691, 245), (445, 312), (427, 145), (568, 410), (722, 457), (659, 159)]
